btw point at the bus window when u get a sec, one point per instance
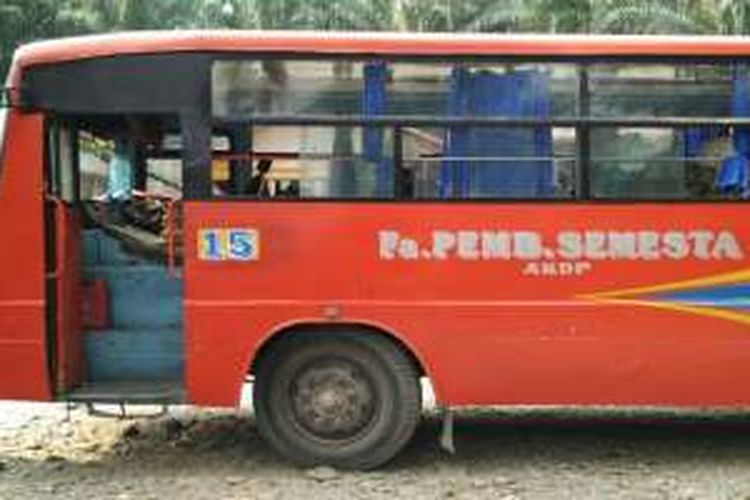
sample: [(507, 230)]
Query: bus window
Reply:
[(95, 155), (653, 163), (637, 163), (319, 162), (460, 161), (278, 87), (315, 87), (666, 90), (533, 159), (164, 177), (488, 162), (466, 88), (677, 162), (119, 157)]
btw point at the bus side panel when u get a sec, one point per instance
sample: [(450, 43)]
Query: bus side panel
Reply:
[(660, 360), (662, 321), (23, 349)]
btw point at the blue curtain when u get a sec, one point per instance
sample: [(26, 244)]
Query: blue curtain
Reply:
[(733, 175), (518, 94), (374, 103), (454, 174), (741, 108), (696, 137)]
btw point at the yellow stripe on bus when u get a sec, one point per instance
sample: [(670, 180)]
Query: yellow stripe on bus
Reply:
[(721, 279)]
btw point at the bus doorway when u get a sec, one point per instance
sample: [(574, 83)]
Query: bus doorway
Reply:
[(114, 258)]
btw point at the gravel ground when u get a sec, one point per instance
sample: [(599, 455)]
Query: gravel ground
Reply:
[(501, 453)]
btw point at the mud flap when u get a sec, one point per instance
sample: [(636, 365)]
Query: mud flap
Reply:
[(446, 435)]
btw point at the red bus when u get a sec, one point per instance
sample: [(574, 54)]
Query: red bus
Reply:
[(546, 220)]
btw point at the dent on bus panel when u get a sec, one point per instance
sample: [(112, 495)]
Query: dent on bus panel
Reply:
[(480, 162)]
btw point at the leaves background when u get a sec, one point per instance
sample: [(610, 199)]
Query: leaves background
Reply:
[(23, 21)]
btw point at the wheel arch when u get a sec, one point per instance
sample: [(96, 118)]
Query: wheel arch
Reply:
[(287, 330)]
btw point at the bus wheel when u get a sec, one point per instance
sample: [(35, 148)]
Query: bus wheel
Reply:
[(349, 400)]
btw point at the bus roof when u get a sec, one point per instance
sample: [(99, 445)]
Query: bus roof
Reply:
[(378, 43), (373, 44)]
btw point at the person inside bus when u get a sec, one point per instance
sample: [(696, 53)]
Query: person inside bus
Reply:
[(118, 180), (259, 182), (120, 172)]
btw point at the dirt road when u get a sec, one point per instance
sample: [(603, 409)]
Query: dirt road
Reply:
[(529, 453)]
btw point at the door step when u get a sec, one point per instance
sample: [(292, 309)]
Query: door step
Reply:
[(134, 354), (129, 392)]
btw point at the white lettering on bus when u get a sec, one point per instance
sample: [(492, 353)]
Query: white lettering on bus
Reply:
[(442, 243), (527, 245), (675, 245), (569, 245), (495, 245), (468, 245), (701, 241), (388, 243), (596, 245), (622, 245), (726, 247), (553, 269), (566, 247)]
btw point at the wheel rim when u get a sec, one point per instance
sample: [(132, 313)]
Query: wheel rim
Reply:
[(333, 400)]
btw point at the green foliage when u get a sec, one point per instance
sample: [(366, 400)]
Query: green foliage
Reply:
[(22, 21)]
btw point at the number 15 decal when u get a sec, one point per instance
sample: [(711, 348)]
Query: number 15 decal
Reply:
[(228, 244)]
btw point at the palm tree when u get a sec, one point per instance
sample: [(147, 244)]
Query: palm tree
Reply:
[(640, 16), (29, 20), (730, 17), (479, 15)]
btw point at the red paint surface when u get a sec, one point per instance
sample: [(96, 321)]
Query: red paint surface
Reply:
[(485, 333), (23, 354)]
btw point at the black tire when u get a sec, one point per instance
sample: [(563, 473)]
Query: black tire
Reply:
[(349, 399)]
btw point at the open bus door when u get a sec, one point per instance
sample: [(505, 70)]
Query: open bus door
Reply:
[(114, 287), (63, 259)]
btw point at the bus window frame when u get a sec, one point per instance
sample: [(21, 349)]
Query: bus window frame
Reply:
[(583, 124), (578, 124), (62, 159), (194, 98)]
